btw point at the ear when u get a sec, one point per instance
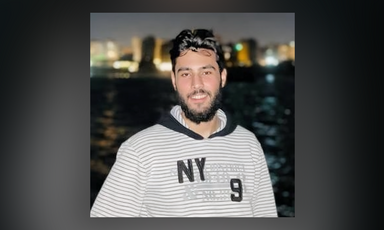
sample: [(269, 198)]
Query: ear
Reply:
[(223, 77), (173, 77)]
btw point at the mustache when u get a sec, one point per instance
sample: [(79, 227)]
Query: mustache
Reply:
[(197, 92)]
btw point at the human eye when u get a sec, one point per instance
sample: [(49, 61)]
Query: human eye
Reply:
[(207, 72), (185, 74)]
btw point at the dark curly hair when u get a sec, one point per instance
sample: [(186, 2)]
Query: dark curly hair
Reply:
[(194, 39)]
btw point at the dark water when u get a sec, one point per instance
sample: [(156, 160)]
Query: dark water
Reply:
[(265, 106)]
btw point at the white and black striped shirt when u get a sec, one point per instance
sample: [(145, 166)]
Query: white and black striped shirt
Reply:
[(167, 170)]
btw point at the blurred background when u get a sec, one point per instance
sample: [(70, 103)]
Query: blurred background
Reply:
[(131, 86)]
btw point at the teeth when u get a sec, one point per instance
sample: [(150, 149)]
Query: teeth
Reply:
[(199, 96)]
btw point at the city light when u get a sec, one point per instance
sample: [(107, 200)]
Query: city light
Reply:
[(129, 65), (244, 53), (270, 78), (165, 66), (238, 46), (271, 61)]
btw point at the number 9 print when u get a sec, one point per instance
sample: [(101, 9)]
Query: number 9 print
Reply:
[(236, 187)]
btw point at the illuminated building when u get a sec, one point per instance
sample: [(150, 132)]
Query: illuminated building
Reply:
[(104, 53), (165, 64), (273, 54), (246, 52), (136, 49)]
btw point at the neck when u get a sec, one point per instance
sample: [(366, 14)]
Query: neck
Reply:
[(205, 129)]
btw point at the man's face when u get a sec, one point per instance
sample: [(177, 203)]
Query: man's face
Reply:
[(197, 80)]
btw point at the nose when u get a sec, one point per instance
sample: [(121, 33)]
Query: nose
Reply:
[(197, 81)]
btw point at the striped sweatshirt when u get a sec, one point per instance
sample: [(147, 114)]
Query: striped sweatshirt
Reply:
[(167, 170)]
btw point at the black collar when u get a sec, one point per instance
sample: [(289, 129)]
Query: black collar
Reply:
[(170, 122)]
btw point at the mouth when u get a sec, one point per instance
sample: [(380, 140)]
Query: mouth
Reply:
[(199, 96)]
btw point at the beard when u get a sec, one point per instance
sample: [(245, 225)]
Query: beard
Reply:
[(207, 114)]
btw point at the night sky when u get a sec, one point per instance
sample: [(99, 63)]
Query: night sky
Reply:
[(264, 27)]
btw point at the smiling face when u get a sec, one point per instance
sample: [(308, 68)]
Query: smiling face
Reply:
[(198, 82)]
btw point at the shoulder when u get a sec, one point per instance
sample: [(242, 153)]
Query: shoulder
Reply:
[(246, 135), (149, 135), (139, 140), (241, 131), (148, 132)]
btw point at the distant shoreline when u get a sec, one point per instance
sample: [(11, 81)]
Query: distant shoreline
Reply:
[(234, 73)]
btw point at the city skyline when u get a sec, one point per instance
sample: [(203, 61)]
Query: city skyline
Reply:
[(265, 28)]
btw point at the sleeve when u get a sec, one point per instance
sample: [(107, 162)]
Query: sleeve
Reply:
[(123, 190), (263, 202)]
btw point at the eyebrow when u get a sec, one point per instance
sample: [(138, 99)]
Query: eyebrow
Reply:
[(203, 67)]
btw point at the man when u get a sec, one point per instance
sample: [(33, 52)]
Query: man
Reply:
[(195, 162)]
